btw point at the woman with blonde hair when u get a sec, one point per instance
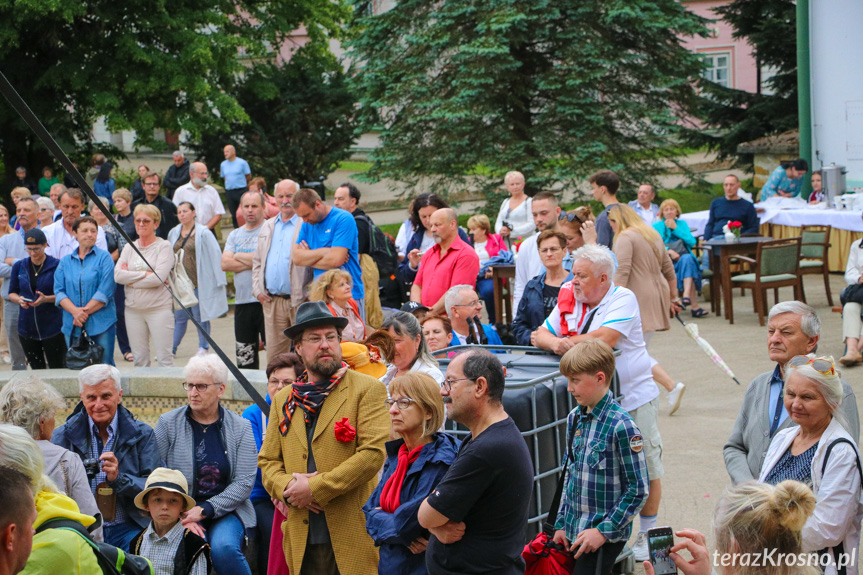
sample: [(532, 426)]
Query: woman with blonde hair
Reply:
[(31, 404), (5, 228), (487, 245), (748, 520), (16, 194), (678, 240), (149, 307), (644, 267), (333, 287), (416, 462), (577, 226)]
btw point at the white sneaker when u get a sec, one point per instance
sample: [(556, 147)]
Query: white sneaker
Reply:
[(639, 549), (202, 352), (7, 359), (674, 397)]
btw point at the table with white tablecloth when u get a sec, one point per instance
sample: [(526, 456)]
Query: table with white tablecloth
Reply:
[(785, 223)]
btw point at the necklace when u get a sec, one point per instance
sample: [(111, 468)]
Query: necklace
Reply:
[(36, 271)]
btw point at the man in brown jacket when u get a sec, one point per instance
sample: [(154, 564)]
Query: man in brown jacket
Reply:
[(323, 450), (278, 284)]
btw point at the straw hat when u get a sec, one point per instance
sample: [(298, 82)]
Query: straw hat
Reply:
[(356, 355), (169, 480)]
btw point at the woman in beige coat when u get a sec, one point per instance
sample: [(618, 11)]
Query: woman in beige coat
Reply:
[(149, 307), (644, 267)]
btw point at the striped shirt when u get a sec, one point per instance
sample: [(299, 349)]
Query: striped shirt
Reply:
[(162, 550), (97, 449), (606, 477)]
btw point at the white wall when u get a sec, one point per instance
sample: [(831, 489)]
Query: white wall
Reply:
[(836, 53)]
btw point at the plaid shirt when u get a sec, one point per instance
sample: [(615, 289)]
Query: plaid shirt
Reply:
[(97, 449), (162, 550), (606, 478)]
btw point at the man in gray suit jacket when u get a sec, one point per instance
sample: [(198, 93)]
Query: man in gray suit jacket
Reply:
[(793, 329)]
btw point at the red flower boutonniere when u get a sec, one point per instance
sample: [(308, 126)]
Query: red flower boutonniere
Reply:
[(345, 432)]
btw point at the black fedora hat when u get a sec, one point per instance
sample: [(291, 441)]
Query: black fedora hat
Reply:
[(314, 314)]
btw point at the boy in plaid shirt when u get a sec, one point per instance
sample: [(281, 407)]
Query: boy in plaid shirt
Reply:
[(606, 480)]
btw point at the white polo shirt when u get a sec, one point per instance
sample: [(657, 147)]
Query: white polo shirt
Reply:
[(61, 243), (206, 201), (618, 310)]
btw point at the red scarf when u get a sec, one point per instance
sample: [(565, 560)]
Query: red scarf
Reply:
[(567, 305), (392, 491)]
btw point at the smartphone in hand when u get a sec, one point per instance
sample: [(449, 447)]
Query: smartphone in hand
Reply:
[(660, 541)]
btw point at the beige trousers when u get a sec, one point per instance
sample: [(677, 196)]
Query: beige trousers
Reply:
[(157, 323), (278, 316)]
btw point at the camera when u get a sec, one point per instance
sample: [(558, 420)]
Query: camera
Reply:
[(91, 466), (506, 224)]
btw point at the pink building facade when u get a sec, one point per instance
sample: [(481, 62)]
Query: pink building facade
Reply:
[(729, 62)]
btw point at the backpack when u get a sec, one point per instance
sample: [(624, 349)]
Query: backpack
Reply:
[(383, 251), (112, 560), (187, 553)]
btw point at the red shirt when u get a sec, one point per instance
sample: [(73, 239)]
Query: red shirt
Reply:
[(458, 266)]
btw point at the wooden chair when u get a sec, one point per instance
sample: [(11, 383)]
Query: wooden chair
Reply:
[(813, 251), (776, 265)]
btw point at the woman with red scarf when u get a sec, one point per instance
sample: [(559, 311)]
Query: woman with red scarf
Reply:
[(416, 462)]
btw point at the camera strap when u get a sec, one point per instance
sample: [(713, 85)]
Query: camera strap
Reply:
[(48, 141)]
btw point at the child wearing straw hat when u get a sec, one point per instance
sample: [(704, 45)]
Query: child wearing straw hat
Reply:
[(170, 547)]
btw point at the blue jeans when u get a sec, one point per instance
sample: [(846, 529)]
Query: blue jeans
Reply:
[(225, 536), (687, 267), (105, 339), (181, 320), (121, 534), (485, 288)]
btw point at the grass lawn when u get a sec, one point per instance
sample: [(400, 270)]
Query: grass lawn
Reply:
[(355, 167)]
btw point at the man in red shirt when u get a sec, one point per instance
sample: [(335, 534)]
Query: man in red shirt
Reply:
[(449, 262)]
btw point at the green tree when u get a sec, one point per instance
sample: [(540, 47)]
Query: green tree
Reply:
[(301, 120), (465, 91), (737, 116), (142, 65)]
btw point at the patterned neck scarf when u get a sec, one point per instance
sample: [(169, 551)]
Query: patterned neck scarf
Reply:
[(309, 397)]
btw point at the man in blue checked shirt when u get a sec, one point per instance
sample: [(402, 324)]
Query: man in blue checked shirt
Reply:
[(606, 480)]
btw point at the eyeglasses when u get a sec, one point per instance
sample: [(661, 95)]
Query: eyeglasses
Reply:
[(570, 218), (143, 221), (819, 364), (199, 387), (282, 382), (550, 250), (473, 303), (447, 383), (402, 404), (35, 248), (332, 339)]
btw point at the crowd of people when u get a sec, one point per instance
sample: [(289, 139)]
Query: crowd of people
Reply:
[(352, 469)]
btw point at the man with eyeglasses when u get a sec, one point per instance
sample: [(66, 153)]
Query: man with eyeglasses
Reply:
[(323, 450), (477, 513), (208, 205), (463, 307), (528, 264), (793, 328), (11, 250), (152, 182)]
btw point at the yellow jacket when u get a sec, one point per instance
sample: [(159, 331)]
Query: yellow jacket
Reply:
[(347, 471), (60, 551)]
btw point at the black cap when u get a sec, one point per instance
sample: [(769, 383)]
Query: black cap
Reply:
[(413, 306), (35, 237)]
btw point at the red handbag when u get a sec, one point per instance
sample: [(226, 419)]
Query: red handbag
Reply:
[(542, 556)]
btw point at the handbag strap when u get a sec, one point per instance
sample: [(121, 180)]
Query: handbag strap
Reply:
[(551, 519)]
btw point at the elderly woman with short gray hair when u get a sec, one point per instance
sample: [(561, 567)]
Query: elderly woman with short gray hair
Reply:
[(30, 404), (215, 450)]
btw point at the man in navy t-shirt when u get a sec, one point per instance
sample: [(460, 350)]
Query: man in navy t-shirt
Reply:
[(477, 514), (328, 241)]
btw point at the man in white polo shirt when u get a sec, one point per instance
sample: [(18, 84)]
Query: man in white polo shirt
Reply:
[(592, 307), (205, 198)]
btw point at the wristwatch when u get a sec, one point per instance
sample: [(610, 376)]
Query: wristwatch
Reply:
[(204, 512)]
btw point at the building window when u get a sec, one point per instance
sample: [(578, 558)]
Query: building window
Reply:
[(717, 68)]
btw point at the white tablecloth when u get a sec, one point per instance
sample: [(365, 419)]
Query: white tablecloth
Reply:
[(851, 220)]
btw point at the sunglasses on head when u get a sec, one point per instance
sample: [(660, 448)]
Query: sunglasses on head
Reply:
[(570, 218), (819, 364)]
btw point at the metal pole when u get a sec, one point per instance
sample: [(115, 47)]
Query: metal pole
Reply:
[(804, 109)]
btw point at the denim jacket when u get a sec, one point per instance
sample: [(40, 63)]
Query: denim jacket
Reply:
[(41, 322), (83, 280), (393, 532)]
